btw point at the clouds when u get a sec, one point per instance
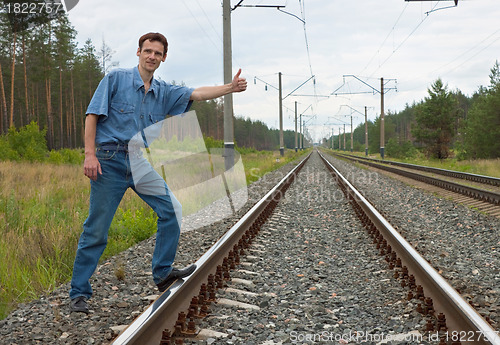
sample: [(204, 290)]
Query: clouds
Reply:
[(391, 39)]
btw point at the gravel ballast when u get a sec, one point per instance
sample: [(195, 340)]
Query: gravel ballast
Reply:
[(317, 273), (115, 302), (461, 243), (318, 277)]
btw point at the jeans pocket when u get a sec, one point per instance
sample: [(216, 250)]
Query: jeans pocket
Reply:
[(105, 154)]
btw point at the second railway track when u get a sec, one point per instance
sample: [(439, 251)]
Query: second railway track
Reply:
[(477, 191), (315, 278)]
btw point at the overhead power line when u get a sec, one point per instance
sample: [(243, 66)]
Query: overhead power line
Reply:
[(202, 28), (470, 50), (385, 40), (404, 41)]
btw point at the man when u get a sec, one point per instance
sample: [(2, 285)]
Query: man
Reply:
[(125, 102)]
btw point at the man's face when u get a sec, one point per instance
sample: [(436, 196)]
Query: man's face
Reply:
[(151, 55)]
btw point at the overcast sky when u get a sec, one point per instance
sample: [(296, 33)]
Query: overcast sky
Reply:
[(393, 39)]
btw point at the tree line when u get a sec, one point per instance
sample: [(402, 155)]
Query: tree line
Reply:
[(444, 123), (247, 133), (47, 79)]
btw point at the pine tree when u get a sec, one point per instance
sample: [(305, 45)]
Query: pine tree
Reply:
[(435, 119), (64, 52), (482, 130)]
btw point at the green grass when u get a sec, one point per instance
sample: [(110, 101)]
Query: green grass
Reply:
[(42, 209), (257, 164)]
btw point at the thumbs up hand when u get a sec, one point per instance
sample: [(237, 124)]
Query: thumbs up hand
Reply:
[(239, 84)]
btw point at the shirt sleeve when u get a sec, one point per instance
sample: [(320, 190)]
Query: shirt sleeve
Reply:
[(99, 104), (178, 100)]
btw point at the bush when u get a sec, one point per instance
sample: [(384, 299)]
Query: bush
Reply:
[(73, 156), (55, 157), (358, 147), (29, 142), (66, 156), (6, 153), (213, 143), (397, 150)]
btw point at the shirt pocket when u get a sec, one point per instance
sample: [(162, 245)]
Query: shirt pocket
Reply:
[(122, 107), (156, 117)]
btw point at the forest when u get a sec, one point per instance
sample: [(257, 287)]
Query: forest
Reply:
[(46, 79), (444, 124)]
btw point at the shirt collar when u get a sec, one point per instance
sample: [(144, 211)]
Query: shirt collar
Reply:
[(138, 82)]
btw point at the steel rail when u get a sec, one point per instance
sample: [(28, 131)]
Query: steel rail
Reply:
[(494, 181), (476, 193), (147, 328), (460, 316)]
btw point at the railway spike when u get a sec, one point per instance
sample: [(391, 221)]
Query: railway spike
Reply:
[(404, 272), (419, 308), (205, 310), (420, 292), (166, 338), (192, 312), (429, 307), (191, 328), (178, 329), (441, 323), (410, 295), (398, 262), (429, 327), (411, 281)]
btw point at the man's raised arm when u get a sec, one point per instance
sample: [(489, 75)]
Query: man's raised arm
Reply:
[(210, 92)]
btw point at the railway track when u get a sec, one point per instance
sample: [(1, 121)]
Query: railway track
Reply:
[(476, 191), (152, 326), (173, 316)]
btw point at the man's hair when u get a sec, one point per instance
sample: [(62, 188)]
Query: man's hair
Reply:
[(154, 36)]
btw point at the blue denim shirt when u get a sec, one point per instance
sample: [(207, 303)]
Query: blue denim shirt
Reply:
[(125, 109)]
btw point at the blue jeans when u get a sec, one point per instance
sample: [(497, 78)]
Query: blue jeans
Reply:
[(105, 196)]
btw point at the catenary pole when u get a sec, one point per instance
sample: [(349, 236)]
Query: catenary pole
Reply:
[(228, 99), (352, 137), (382, 131), (282, 145), (300, 137), (339, 139), (295, 126), (366, 132), (345, 148), (382, 92)]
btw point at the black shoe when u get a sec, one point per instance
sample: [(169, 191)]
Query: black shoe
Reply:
[(174, 275), (79, 304)]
